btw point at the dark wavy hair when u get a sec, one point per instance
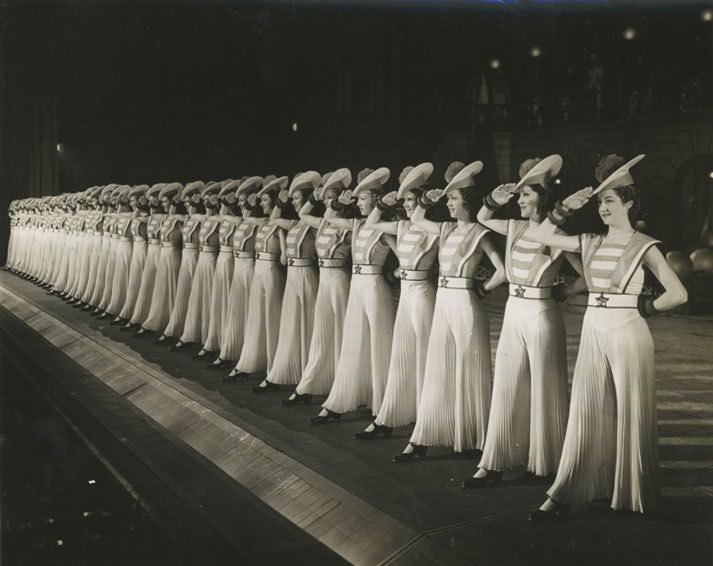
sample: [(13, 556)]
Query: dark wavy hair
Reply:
[(605, 167)]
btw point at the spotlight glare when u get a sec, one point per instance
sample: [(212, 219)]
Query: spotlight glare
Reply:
[(60, 147), (294, 126), (495, 63), (629, 34), (557, 181), (710, 174), (60, 542), (92, 482), (535, 51), (707, 15)]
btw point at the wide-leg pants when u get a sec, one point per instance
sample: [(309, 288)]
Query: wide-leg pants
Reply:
[(610, 448), (219, 297), (528, 414), (136, 269), (189, 260), (366, 346), (164, 292), (329, 310), (407, 366), (195, 328), (455, 399), (146, 287), (233, 335), (120, 279)]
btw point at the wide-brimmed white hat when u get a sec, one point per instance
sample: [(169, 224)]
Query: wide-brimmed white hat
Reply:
[(415, 178), (339, 180), (309, 180), (374, 181), (620, 177), (543, 171), (465, 177), (277, 184)]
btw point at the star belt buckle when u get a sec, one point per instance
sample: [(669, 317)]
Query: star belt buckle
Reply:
[(602, 300), (257, 255), (357, 269), (402, 273), (320, 261), (290, 261), (519, 291), (443, 282)]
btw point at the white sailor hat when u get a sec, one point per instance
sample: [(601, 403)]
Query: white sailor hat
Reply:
[(171, 191), (192, 191), (339, 180), (465, 177), (250, 185), (138, 191), (539, 171), (374, 181), (228, 191), (620, 177), (309, 180), (415, 178), (155, 190), (325, 177), (274, 184), (405, 171)]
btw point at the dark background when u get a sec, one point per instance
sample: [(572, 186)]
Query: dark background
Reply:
[(141, 92)]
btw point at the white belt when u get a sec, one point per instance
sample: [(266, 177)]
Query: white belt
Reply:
[(154, 241), (300, 261), (123, 238), (367, 269), (212, 249), (168, 245), (612, 301), (528, 292), (190, 246), (243, 254), (267, 256), (226, 249), (414, 274), (330, 263), (448, 282)]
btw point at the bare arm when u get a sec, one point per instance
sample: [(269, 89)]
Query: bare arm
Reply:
[(307, 218), (341, 223), (498, 278), (374, 221), (485, 217), (674, 292), (498, 197), (546, 234), (283, 247)]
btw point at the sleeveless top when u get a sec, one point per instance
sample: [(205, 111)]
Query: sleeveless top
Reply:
[(188, 231), (300, 241), (368, 247), (153, 227), (136, 224), (459, 252), (123, 223), (228, 224), (244, 237), (267, 239), (208, 234), (527, 261), (170, 231), (331, 242), (416, 249)]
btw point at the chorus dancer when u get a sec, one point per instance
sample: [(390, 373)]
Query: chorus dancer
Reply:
[(610, 448), (268, 284), (333, 249), (298, 253), (360, 377), (12, 214), (139, 203), (148, 231), (81, 256), (455, 398), (243, 249), (163, 293), (89, 246), (25, 220), (224, 265), (64, 251), (123, 248), (528, 413), (195, 327), (97, 267), (114, 218), (191, 198), (34, 238), (416, 251), (49, 227)]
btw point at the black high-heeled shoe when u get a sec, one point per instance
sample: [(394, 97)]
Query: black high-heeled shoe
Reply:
[(128, 327), (298, 399), (178, 346), (329, 417), (490, 479), (376, 432), (117, 321), (418, 451), (162, 340), (558, 513), (237, 376), (217, 364), (266, 388)]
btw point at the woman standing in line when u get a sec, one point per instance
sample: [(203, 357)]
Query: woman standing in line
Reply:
[(417, 251), (610, 448), (455, 399), (332, 246), (297, 316), (366, 346), (101, 243), (528, 414), (163, 293), (243, 249), (120, 206), (266, 289)]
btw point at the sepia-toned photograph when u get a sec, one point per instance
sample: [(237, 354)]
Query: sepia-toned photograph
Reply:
[(370, 282)]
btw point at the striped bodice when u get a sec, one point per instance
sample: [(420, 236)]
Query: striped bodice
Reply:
[(136, 227), (168, 228), (332, 242), (603, 263), (123, 223), (153, 227), (300, 241), (227, 227), (188, 231), (527, 261), (244, 237), (459, 252), (208, 234), (416, 249), (368, 247), (266, 239)]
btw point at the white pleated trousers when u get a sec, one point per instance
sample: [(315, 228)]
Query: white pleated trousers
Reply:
[(219, 298), (233, 335), (189, 260), (120, 279), (408, 353), (528, 414), (363, 365), (455, 399), (146, 286), (329, 311), (296, 323), (136, 269), (163, 296), (611, 448), (107, 284), (195, 328)]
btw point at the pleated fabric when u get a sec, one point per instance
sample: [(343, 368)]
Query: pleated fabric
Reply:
[(146, 285), (296, 323), (107, 284), (263, 321), (407, 366), (63, 266), (163, 296), (363, 365), (120, 279), (189, 260), (133, 283), (611, 446), (71, 268), (97, 286), (455, 400), (85, 258), (528, 414), (76, 262), (219, 299), (195, 328), (233, 336), (329, 311)]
